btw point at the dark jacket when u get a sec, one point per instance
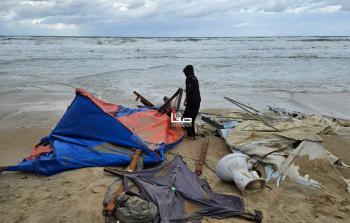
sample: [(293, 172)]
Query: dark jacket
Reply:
[(192, 86)]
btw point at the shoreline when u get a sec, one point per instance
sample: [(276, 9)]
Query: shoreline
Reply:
[(44, 109)]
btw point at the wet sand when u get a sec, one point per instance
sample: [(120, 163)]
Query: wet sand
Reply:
[(76, 196), (39, 108)]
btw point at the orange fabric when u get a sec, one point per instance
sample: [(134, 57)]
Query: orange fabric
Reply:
[(105, 106), (152, 127), (38, 150)]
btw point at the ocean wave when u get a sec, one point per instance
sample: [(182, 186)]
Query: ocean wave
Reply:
[(13, 61), (148, 57), (105, 73), (252, 40), (312, 91), (115, 41), (151, 57), (188, 39), (302, 57), (259, 57), (322, 40), (7, 62), (238, 57)]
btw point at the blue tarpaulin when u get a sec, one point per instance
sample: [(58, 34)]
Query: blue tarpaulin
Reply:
[(85, 126)]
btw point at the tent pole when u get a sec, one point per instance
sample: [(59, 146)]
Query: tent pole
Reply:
[(202, 156), (143, 99), (252, 114), (179, 91), (108, 211)]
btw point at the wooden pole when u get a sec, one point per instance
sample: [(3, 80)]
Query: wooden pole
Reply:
[(108, 211), (202, 156), (161, 109), (143, 99)]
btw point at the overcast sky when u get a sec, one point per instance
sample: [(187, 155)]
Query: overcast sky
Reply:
[(175, 17)]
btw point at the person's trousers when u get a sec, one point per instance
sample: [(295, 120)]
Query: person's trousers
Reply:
[(191, 111)]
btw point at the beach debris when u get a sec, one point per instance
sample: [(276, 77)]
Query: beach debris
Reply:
[(246, 108), (187, 195), (93, 133), (206, 129), (285, 112), (237, 167), (317, 156), (223, 133), (3, 168), (212, 122), (133, 209), (202, 156), (219, 123), (314, 150), (241, 104), (283, 153), (108, 210), (143, 100), (114, 186), (228, 115), (178, 96)]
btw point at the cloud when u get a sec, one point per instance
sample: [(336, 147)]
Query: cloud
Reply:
[(329, 9), (296, 10), (242, 25), (100, 14), (39, 23)]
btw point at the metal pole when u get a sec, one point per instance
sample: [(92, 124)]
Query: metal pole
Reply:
[(247, 106), (252, 114)]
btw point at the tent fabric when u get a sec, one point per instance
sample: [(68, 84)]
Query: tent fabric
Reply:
[(181, 195), (109, 108), (88, 123), (38, 150), (124, 111), (150, 125)]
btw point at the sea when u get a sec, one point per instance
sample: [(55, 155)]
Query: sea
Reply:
[(243, 68)]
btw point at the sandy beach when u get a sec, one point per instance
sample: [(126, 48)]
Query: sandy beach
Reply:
[(80, 82), (77, 195)]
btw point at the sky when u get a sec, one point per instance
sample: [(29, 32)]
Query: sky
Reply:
[(175, 17)]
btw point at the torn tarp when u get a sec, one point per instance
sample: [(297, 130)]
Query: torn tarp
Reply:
[(298, 140), (182, 196), (96, 133)]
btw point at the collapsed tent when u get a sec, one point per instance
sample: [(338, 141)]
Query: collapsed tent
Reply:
[(96, 133), (298, 139), (182, 196)]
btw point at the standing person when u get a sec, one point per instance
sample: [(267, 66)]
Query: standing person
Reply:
[(192, 100)]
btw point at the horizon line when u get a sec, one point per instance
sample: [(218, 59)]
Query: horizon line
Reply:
[(122, 36)]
